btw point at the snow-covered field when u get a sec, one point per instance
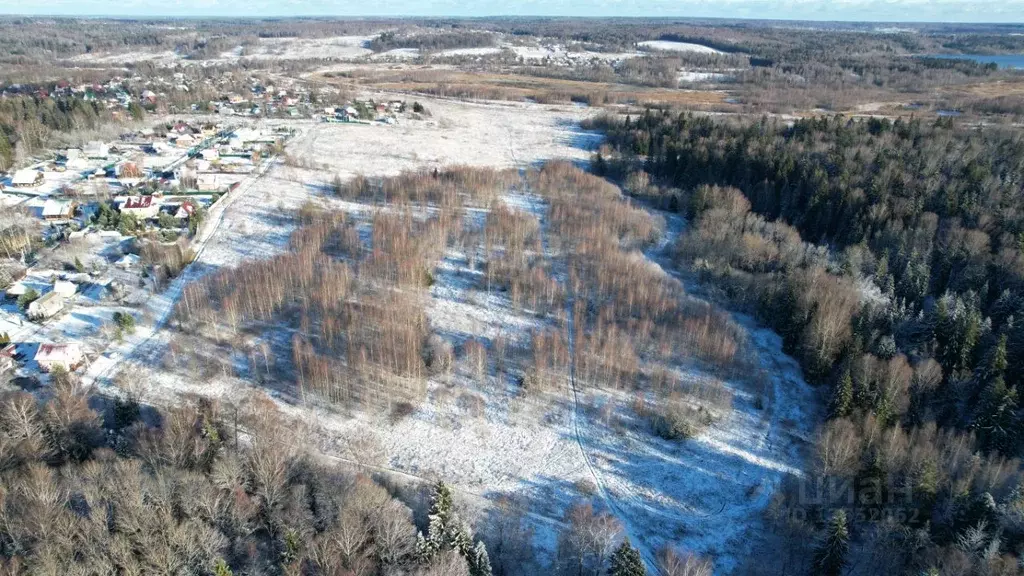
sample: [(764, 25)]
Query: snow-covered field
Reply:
[(356, 49), (476, 134), (397, 54), (164, 58), (670, 46), (337, 47), (560, 52), (697, 76), (476, 430), (482, 51)]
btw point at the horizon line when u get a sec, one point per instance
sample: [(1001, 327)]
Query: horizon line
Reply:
[(6, 15)]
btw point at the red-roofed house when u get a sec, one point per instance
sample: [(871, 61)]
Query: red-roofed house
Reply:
[(185, 211), (140, 206), (49, 356)]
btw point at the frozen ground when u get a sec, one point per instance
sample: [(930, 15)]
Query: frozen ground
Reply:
[(669, 46), (355, 48), (477, 134), (698, 76), (482, 51), (557, 52), (336, 47), (397, 54), (164, 58), (477, 430)]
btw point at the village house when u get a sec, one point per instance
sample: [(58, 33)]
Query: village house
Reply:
[(46, 306), (58, 209), (97, 150), (142, 207), (216, 182), (16, 290), (26, 178), (128, 261), (185, 211), (49, 356), (7, 358), (64, 288), (129, 169), (77, 163)]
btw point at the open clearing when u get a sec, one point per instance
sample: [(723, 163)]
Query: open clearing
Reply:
[(669, 46), (447, 81), (474, 430)]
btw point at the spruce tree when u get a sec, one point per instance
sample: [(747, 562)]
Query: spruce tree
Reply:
[(221, 568), (626, 561), (424, 550), (830, 555), (479, 561), (6, 152), (600, 166), (457, 537), (996, 421), (446, 531), (999, 361), (441, 502), (842, 395)]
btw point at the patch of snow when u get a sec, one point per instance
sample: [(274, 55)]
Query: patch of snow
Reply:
[(482, 51), (397, 54), (669, 46), (336, 47), (696, 76), (558, 52)]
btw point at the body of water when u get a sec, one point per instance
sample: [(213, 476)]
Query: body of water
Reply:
[(1001, 60)]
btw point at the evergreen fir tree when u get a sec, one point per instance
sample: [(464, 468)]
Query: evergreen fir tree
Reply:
[(842, 395), (6, 152), (830, 556), (434, 541), (479, 562), (600, 166), (446, 531), (424, 550), (999, 360), (441, 502), (221, 568), (626, 561), (997, 417), (457, 537), (882, 270)]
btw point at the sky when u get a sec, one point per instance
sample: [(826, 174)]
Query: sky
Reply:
[(990, 11)]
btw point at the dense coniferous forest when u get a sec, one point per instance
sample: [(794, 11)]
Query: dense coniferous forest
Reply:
[(890, 257)]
